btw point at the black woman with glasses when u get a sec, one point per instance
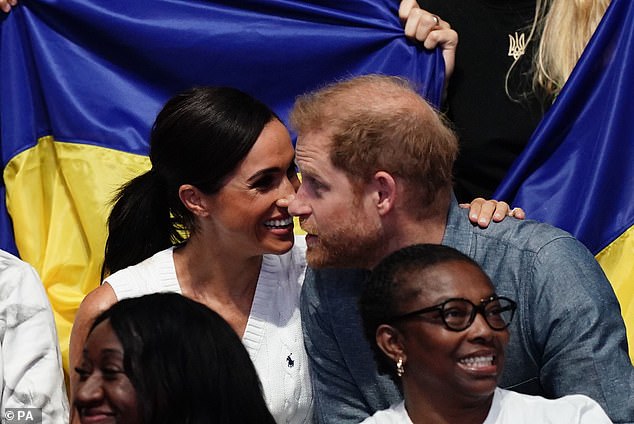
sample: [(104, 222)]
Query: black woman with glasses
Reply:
[(439, 330)]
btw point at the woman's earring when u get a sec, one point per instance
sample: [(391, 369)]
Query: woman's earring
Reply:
[(399, 367)]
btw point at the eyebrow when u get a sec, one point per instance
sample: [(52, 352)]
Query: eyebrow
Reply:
[(109, 352), (263, 172), (104, 352), (308, 170), (271, 170)]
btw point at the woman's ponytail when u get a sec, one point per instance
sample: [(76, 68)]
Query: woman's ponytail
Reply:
[(140, 223)]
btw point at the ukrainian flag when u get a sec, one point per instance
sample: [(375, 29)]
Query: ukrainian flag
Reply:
[(82, 80), (577, 172)]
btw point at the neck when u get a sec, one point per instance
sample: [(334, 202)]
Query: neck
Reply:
[(223, 280), (204, 267), (404, 228), (441, 408)]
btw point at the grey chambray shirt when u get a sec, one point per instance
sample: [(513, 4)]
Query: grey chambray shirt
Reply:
[(567, 336)]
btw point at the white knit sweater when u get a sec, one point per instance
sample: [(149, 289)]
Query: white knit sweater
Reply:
[(273, 335)]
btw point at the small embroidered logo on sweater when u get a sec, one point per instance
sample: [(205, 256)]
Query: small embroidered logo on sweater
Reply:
[(289, 361)]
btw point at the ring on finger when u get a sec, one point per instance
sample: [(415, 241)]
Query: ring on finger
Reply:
[(436, 20)]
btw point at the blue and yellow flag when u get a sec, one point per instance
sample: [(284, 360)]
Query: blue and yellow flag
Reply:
[(577, 171), (82, 81)]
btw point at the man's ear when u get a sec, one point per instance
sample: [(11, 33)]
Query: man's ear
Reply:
[(193, 200), (384, 186), (390, 340)]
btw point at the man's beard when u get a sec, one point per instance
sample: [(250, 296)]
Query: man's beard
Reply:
[(350, 245)]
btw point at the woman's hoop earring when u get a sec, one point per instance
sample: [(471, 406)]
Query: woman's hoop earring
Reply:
[(399, 367)]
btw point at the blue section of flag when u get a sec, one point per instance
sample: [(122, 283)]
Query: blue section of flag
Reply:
[(7, 242), (98, 72), (577, 171)]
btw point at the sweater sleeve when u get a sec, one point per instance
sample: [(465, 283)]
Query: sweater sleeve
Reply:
[(31, 368)]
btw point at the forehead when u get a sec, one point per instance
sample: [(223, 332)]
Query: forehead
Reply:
[(103, 338), (445, 280), (313, 145), (273, 148), (312, 156)]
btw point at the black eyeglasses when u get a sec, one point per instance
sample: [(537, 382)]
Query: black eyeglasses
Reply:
[(459, 314)]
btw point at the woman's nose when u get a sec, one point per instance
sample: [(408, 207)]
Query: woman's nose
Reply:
[(480, 328), (89, 391), (284, 202)]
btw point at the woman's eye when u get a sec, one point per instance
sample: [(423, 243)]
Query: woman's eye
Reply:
[(495, 311), (264, 182), (454, 313), (111, 373), (82, 372), (291, 172)]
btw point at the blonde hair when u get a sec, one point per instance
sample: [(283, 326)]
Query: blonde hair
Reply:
[(565, 27)]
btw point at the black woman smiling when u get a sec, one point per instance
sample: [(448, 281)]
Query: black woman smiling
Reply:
[(140, 366), (440, 330)]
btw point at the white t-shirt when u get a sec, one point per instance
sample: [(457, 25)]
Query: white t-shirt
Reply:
[(516, 408), (273, 334)]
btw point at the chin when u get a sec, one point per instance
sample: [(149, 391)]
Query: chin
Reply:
[(279, 247), (481, 389), (321, 258)]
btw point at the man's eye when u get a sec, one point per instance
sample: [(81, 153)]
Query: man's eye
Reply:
[(316, 185)]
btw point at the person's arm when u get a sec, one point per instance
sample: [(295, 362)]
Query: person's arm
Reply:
[(93, 304), (32, 374), (430, 30), (575, 320), (343, 371)]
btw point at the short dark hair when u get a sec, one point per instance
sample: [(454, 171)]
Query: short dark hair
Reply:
[(198, 138), (383, 289), (185, 362)]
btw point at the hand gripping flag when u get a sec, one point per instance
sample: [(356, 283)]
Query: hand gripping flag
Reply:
[(82, 81)]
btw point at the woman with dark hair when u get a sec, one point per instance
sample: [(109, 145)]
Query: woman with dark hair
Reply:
[(209, 221), (139, 366), (439, 330)]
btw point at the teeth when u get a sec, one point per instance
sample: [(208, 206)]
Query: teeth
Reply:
[(279, 222), (478, 361)]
